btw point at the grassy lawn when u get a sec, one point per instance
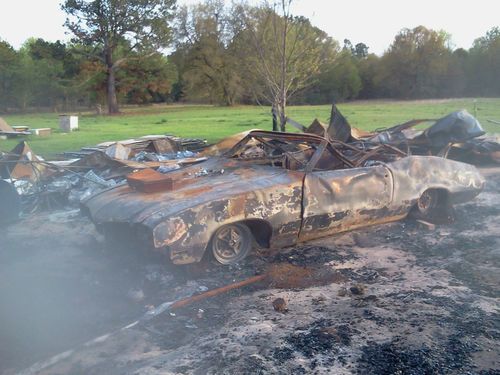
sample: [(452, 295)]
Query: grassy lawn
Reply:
[(214, 123)]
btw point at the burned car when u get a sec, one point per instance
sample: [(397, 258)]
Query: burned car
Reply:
[(274, 190)]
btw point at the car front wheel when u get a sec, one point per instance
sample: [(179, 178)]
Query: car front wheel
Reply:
[(231, 243)]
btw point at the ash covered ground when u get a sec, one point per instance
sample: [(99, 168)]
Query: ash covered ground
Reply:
[(393, 299)]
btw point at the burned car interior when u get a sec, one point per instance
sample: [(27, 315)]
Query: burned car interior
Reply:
[(307, 152), (288, 151)]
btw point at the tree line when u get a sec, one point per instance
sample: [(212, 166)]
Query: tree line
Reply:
[(150, 51)]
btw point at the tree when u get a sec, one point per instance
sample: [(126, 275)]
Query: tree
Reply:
[(284, 55), (205, 49), (368, 72), (9, 62), (360, 51), (417, 64), (348, 46), (54, 71), (142, 79), (105, 25), (147, 80), (483, 66), (340, 80)]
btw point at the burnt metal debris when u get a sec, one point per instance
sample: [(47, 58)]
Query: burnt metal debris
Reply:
[(457, 136), (278, 189), (40, 184), (151, 144), (8, 131)]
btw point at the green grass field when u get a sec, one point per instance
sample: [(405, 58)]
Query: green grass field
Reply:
[(214, 123)]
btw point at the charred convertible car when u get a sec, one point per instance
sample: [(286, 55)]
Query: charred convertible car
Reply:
[(274, 190)]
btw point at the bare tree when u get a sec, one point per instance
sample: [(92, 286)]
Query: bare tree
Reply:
[(286, 53)]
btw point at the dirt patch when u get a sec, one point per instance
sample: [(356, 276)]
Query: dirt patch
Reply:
[(289, 276)]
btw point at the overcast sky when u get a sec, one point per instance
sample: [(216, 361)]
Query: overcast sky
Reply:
[(374, 22)]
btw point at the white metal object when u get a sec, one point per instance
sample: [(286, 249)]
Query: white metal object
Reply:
[(68, 123)]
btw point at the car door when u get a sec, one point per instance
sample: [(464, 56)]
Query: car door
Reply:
[(342, 199)]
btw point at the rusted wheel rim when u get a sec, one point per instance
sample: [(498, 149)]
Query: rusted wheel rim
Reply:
[(428, 201), (230, 244)]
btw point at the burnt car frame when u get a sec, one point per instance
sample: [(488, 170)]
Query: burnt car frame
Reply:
[(275, 190)]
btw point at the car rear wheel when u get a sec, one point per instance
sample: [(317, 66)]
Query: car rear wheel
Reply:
[(231, 243), (428, 202), (433, 205)]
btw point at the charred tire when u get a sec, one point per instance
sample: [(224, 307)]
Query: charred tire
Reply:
[(432, 205), (231, 243)]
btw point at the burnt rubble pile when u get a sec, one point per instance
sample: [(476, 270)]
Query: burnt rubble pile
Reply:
[(29, 183), (458, 136)]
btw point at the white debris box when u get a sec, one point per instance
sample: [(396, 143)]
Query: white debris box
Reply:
[(68, 123), (42, 132)]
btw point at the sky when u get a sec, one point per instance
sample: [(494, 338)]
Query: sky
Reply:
[(373, 22)]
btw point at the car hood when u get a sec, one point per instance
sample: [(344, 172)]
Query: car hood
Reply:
[(209, 181)]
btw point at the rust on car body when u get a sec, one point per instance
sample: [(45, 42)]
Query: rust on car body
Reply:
[(285, 188)]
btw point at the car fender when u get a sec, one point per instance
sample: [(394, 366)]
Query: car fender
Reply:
[(415, 174), (187, 234)]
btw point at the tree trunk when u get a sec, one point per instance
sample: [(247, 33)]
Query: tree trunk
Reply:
[(228, 98), (274, 113), (283, 91), (282, 113), (111, 91)]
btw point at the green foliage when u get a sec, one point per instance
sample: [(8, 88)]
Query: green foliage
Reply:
[(484, 64), (109, 27), (206, 53), (368, 70), (105, 24), (147, 80), (9, 63), (417, 64), (338, 81), (42, 73), (360, 51)]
